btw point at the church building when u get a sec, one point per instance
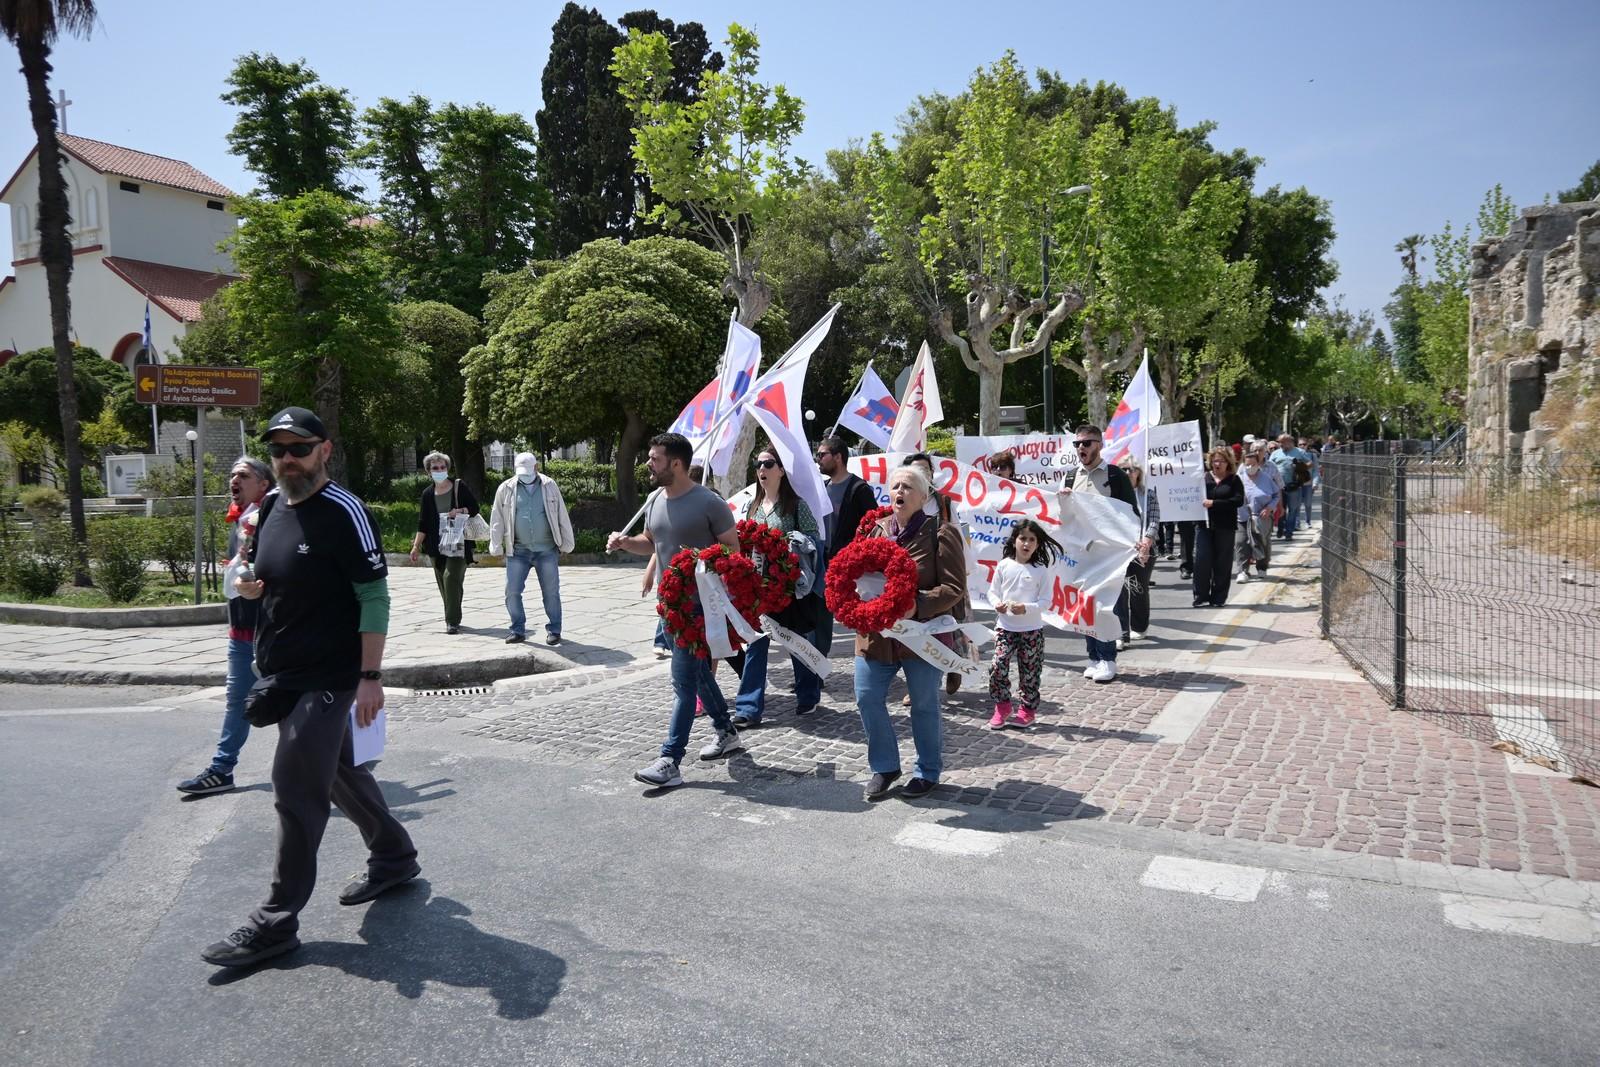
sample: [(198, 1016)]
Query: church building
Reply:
[(144, 228)]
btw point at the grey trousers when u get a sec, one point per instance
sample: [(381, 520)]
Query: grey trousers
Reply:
[(312, 768), (1255, 543)]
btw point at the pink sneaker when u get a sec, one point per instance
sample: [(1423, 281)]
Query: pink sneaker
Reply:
[(1002, 712), (1026, 717)]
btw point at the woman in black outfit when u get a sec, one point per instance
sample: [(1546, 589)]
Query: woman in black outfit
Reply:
[(1213, 548), (446, 496)]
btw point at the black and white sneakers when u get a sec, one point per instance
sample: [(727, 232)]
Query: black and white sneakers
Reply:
[(206, 782)]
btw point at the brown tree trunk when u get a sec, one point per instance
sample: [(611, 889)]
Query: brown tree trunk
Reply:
[(628, 449), (55, 252), (326, 396)]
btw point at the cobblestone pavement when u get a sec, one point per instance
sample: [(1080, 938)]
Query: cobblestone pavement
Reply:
[(1250, 728)]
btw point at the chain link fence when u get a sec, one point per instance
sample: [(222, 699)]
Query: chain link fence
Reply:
[(1467, 589)]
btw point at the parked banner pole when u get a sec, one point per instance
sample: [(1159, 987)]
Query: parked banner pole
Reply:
[(199, 493), (1400, 581)]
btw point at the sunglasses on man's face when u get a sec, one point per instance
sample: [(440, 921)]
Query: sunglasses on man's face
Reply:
[(823, 452), (299, 450), (766, 464), (1084, 444)]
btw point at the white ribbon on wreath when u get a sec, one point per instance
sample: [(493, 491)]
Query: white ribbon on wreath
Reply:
[(720, 612), (921, 638)]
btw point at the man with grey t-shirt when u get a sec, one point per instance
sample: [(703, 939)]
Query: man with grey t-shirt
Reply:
[(683, 515)]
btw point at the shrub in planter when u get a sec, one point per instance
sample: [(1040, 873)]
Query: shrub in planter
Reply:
[(172, 544), (42, 502), (119, 569), (38, 564)]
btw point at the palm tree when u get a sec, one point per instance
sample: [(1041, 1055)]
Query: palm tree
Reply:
[(1408, 253), (33, 26)]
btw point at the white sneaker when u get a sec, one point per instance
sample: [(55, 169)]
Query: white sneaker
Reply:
[(726, 744), (661, 653), (1122, 644), (1088, 672), (662, 774), (1135, 635), (1104, 671)]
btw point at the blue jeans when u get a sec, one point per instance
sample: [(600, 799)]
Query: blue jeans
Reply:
[(752, 699), (691, 678), (661, 634), (235, 727), (1107, 650), (927, 730), (1292, 497), (546, 563)]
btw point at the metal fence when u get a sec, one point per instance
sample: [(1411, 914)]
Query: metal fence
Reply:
[(1467, 589)]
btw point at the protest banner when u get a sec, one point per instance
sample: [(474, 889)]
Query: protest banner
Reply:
[(1045, 460), (1176, 471), (1097, 536)]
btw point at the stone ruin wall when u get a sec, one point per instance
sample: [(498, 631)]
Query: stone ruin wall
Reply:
[(1533, 357)]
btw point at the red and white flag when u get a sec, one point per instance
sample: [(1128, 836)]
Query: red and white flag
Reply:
[(741, 363), (1140, 409), (778, 408), (919, 407)]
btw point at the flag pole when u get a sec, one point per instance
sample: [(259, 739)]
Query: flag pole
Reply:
[(749, 395), (722, 383)]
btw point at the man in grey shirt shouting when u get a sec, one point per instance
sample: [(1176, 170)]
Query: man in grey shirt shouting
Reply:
[(683, 515)]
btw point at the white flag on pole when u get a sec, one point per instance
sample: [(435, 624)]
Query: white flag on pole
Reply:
[(919, 407), (1140, 409), (871, 409), (777, 406)]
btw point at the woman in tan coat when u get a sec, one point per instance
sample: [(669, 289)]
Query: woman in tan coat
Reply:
[(940, 554)]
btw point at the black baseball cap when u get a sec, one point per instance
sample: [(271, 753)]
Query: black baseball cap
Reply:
[(298, 421)]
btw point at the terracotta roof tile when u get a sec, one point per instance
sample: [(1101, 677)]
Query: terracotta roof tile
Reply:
[(177, 290), (142, 166)]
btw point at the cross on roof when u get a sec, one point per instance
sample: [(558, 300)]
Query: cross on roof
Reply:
[(62, 103)]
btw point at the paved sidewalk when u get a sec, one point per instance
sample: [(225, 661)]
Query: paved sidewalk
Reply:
[(604, 622)]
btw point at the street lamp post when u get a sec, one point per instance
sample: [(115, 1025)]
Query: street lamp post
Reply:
[(1049, 416), (199, 498)]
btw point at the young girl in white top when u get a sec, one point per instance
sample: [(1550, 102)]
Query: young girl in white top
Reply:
[(1017, 594)]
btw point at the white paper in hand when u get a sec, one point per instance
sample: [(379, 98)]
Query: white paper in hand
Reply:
[(366, 742)]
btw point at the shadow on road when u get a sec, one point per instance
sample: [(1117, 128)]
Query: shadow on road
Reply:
[(414, 939)]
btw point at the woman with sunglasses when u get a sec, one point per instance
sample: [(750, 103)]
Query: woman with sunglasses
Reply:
[(777, 505), (1213, 547)]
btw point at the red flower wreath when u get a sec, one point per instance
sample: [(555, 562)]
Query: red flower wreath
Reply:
[(679, 607), (870, 519), (872, 555), (780, 572)]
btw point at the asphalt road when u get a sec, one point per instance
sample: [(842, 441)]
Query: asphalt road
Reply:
[(565, 918)]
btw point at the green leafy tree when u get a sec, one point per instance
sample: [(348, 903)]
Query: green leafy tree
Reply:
[(1588, 187), (296, 133), (28, 390), (720, 162), (613, 335), (1442, 304), (441, 336), (458, 196), (312, 305), (585, 138), (33, 27)]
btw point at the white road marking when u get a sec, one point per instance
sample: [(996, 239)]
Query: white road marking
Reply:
[(1523, 918), (1526, 725), (1177, 722), (1226, 881), (120, 709), (950, 840)]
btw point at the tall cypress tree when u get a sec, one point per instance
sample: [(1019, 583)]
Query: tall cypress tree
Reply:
[(585, 156)]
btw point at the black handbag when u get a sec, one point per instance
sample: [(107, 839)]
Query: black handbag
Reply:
[(267, 703)]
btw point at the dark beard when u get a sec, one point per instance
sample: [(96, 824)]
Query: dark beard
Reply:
[(297, 487)]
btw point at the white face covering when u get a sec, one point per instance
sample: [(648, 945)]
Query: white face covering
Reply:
[(439, 476), (527, 479)]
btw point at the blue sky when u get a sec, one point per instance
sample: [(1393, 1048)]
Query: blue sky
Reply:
[(1401, 114)]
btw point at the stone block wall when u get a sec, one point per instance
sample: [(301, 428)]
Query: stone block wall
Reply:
[(1533, 360)]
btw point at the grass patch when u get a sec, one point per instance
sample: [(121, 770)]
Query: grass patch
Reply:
[(156, 596)]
